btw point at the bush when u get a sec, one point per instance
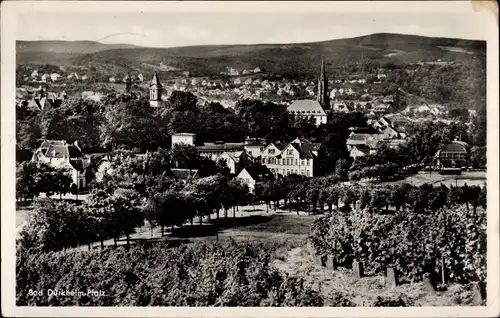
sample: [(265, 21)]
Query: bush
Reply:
[(412, 243), (228, 274)]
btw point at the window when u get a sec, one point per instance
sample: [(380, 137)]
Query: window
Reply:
[(289, 152), (307, 173), (296, 162), (308, 162), (264, 160), (302, 162), (271, 151)]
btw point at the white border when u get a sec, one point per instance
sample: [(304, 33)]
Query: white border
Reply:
[(8, 14)]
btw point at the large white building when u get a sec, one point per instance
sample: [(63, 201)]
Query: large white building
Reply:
[(296, 157)]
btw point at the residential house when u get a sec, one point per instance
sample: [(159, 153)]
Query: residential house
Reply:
[(340, 107), (381, 109), (257, 70), (102, 168), (235, 160), (62, 155), (74, 76), (254, 174), (54, 77), (296, 157), (248, 81)]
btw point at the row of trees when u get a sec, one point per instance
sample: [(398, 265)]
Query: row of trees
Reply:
[(121, 203), (313, 195)]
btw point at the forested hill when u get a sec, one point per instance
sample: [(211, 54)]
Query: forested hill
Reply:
[(283, 59)]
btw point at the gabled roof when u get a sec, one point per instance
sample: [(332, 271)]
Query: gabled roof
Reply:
[(208, 146), (63, 151), (259, 173), (305, 148), (47, 143), (306, 106)]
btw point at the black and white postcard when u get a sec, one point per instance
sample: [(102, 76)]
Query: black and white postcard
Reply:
[(263, 159)]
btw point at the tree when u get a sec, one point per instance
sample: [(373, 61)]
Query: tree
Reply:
[(54, 226), (478, 157), (342, 169), (182, 101)]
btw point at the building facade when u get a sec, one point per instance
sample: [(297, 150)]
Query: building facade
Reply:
[(184, 138), (296, 157)]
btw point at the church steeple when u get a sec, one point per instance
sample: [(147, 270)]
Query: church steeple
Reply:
[(155, 89), (128, 84), (323, 97)]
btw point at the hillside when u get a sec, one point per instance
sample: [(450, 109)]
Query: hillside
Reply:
[(282, 59), (73, 47)]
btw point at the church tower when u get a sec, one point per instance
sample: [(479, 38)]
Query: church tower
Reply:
[(128, 84), (323, 97), (155, 89)]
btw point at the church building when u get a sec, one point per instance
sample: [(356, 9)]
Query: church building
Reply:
[(314, 109)]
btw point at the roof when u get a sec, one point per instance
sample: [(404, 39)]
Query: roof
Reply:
[(305, 148), (255, 142), (457, 146), (61, 151), (46, 143), (184, 173), (306, 106), (208, 146), (259, 173), (183, 134), (155, 81)]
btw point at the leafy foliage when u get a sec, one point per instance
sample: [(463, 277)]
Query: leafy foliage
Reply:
[(438, 224), (229, 274)]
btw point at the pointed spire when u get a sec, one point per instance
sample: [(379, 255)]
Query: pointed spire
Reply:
[(323, 98), (155, 80)]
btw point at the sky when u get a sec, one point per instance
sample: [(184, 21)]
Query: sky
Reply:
[(163, 28)]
